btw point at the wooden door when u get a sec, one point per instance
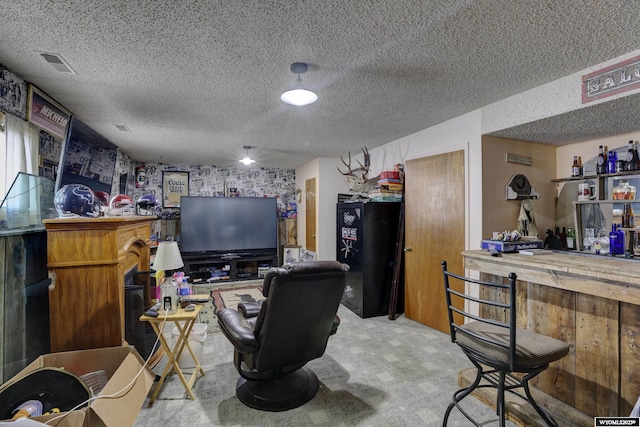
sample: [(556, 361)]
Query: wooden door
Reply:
[(434, 231), (310, 214)]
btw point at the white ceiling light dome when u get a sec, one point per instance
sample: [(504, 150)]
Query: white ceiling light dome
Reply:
[(246, 159), (299, 95)]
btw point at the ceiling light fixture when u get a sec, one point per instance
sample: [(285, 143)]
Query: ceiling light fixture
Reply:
[(247, 160), (299, 95)]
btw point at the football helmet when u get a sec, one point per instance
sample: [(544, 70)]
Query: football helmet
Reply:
[(103, 197), (148, 205), (73, 200), (121, 205)]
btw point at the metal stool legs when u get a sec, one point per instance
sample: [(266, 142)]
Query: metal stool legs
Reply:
[(503, 382)]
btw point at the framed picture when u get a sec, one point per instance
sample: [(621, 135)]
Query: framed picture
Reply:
[(291, 254), (174, 185), (48, 169), (46, 113)]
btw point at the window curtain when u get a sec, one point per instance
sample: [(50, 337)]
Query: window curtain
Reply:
[(22, 156)]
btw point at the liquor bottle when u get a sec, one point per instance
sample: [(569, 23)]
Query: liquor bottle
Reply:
[(620, 240), (628, 220), (571, 239), (632, 158), (612, 160), (563, 238), (613, 238), (575, 169), (637, 155), (601, 165)]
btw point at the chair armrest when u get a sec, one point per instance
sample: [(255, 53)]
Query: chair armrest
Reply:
[(241, 336), (250, 309)]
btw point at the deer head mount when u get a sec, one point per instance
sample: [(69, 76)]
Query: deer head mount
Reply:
[(357, 177)]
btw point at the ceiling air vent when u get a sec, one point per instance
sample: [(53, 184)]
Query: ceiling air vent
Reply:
[(122, 128), (58, 62)]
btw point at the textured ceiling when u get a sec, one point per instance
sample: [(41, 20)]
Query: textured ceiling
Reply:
[(195, 81)]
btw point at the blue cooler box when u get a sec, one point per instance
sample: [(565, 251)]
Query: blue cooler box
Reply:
[(511, 246)]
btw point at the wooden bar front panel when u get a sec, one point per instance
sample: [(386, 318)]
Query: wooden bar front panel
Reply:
[(592, 305), (89, 257)]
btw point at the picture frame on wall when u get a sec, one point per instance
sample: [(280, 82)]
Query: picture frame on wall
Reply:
[(48, 168), (175, 184), (46, 113), (291, 254)]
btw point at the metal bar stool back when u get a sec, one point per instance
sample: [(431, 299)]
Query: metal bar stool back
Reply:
[(486, 332)]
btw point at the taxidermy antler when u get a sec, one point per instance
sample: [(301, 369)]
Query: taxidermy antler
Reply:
[(357, 177)]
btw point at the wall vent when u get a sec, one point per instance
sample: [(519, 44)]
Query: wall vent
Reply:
[(122, 128), (58, 62)]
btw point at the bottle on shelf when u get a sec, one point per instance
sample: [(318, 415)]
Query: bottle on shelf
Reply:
[(587, 242), (571, 239), (575, 168), (562, 236), (632, 157), (628, 220), (601, 164), (601, 243), (612, 161), (613, 239), (620, 240)]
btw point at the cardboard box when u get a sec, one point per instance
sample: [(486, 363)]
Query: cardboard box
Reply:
[(511, 246), (121, 364)]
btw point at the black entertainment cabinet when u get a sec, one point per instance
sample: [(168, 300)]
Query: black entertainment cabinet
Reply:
[(232, 267)]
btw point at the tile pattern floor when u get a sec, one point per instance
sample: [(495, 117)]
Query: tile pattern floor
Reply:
[(375, 372)]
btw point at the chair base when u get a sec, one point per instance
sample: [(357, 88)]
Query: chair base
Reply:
[(503, 382), (289, 392)]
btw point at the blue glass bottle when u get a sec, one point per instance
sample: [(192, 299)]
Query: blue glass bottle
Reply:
[(613, 240), (620, 241), (612, 160)]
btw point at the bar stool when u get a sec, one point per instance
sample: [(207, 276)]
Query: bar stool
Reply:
[(497, 349)]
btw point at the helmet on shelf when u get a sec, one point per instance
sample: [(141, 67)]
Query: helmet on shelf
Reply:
[(148, 205), (103, 197), (121, 205), (73, 200)]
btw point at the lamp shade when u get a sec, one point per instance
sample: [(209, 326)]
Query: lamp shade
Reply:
[(168, 257), (299, 96)]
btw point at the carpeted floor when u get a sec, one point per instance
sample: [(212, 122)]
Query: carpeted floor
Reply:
[(375, 372)]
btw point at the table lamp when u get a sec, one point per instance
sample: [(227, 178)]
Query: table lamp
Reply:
[(167, 258)]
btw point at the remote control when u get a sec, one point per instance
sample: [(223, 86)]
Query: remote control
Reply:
[(494, 252), (151, 313), (190, 307)]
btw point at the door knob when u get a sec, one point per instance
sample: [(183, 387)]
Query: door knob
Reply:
[(407, 248), (313, 235)]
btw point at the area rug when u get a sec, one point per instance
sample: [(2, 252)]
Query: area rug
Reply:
[(234, 295)]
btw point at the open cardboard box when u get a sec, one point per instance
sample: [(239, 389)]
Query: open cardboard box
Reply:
[(121, 364)]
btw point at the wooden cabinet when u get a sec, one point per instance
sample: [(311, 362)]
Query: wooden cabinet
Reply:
[(90, 258)]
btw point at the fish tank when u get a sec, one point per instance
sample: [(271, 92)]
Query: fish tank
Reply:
[(28, 202)]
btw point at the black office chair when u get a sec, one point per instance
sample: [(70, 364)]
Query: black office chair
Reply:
[(284, 332), (497, 348)]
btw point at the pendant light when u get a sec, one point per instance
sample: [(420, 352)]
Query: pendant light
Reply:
[(299, 95), (247, 160)]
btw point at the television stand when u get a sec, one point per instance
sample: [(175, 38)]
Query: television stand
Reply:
[(228, 267)]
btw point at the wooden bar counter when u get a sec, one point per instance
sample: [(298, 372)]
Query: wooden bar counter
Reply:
[(592, 303)]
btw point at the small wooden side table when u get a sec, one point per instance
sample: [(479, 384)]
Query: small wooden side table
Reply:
[(188, 319)]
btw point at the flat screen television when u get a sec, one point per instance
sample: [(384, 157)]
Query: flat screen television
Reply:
[(228, 225)]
